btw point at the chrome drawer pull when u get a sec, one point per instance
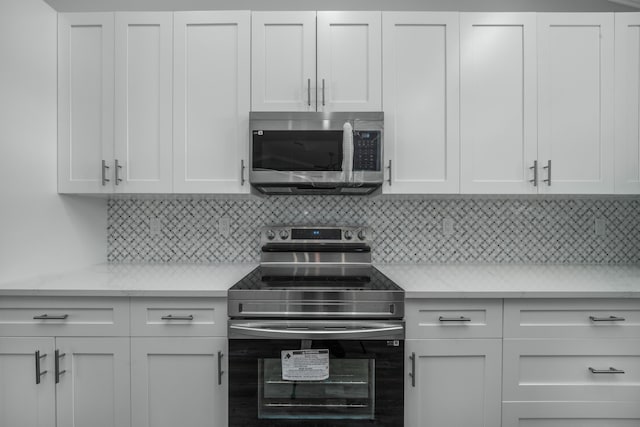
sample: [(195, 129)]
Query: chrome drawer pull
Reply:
[(607, 319), (172, 317), (606, 371), (454, 319), (47, 317)]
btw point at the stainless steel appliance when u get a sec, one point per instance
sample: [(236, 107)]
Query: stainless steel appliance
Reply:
[(316, 153), (316, 336)]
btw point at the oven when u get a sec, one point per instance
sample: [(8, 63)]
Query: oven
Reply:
[(316, 336)]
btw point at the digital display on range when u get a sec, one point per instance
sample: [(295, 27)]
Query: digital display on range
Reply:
[(316, 234)]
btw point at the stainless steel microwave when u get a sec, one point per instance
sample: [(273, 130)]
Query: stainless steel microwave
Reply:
[(316, 153)]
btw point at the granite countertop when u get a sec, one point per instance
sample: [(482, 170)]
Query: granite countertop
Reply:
[(418, 280)]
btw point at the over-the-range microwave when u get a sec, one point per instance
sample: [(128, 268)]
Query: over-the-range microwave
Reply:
[(316, 153)]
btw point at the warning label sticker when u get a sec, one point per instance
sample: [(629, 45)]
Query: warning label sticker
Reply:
[(305, 365)]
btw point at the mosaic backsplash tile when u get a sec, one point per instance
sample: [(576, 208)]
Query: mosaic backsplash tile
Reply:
[(410, 230)]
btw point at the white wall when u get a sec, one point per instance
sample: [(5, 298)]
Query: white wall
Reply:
[(40, 231), (454, 5)]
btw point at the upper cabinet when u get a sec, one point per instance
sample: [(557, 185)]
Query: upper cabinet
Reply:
[(85, 102), (138, 117), (421, 92), (211, 101), (143, 52), (575, 102), (627, 109), (498, 105), (324, 61)]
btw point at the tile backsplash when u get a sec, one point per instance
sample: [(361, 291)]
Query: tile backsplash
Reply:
[(405, 230)]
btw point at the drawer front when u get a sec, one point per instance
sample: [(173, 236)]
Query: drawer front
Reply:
[(64, 316), (571, 370), (600, 318), (179, 317), (474, 318), (568, 414)]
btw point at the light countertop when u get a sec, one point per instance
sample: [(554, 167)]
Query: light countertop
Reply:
[(418, 280)]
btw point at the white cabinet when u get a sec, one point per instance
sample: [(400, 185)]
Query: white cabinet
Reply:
[(575, 102), (25, 402), (339, 70), (85, 102), (627, 108), (498, 102), (571, 363), (115, 102), (421, 97), (211, 101), (179, 362), (459, 369), (83, 346), (143, 65)]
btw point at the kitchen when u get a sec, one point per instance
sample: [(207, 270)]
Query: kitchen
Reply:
[(46, 234)]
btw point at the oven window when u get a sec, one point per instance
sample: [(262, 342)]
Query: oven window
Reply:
[(348, 393)]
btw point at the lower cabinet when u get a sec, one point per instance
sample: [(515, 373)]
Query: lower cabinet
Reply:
[(570, 414), (453, 382), (178, 382), (24, 402)]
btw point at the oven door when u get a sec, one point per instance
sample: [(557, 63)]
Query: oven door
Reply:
[(316, 373)]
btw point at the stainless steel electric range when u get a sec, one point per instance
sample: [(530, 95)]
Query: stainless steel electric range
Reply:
[(316, 336)]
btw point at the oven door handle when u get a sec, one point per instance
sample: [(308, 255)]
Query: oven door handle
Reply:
[(379, 331)]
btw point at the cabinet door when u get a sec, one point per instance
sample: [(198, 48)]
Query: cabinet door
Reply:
[(143, 100), (93, 388), (576, 72), (179, 381), (627, 108), (421, 93), (211, 101), (283, 61), (457, 383), (85, 102), (571, 414), (23, 402), (349, 61), (498, 102)]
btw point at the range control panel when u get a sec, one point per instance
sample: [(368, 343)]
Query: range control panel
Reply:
[(298, 234)]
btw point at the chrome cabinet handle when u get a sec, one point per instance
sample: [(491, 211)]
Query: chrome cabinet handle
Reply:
[(309, 92), (548, 168), (105, 168), (412, 374), (47, 317), (607, 319), (534, 181), (389, 167), (39, 373), (606, 371), (323, 92), (172, 317), (220, 371), (118, 166), (58, 372), (242, 168), (454, 319)]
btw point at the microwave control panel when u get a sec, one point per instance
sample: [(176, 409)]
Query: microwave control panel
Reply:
[(367, 150)]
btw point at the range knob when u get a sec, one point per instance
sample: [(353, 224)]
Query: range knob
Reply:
[(270, 234), (284, 234), (348, 234), (362, 235)]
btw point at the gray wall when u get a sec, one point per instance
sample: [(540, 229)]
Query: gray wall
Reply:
[(450, 5)]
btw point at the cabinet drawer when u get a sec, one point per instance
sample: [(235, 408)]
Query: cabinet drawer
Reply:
[(179, 317), (474, 318), (601, 318), (64, 316), (571, 370), (570, 414)]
